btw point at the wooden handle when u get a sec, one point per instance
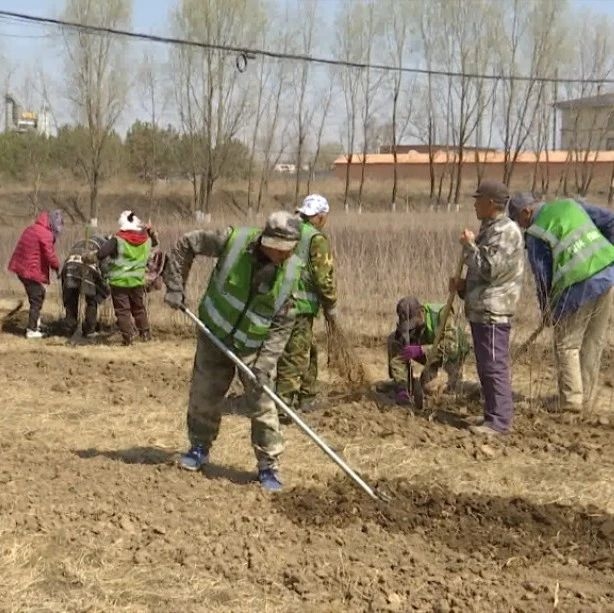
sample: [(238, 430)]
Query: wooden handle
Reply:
[(445, 314)]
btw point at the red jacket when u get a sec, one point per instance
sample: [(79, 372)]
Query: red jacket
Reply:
[(34, 253)]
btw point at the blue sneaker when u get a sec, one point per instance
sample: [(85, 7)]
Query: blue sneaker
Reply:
[(269, 479), (195, 458)]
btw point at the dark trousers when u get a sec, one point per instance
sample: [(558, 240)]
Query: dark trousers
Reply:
[(128, 303), (491, 343), (70, 298), (36, 296)]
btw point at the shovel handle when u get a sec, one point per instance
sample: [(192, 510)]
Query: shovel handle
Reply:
[(445, 314)]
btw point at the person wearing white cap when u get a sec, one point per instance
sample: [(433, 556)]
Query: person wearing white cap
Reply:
[(248, 306), (297, 371), (128, 251)]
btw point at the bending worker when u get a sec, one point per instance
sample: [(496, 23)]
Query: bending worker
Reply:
[(248, 306), (87, 279), (297, 370), (571, 252)]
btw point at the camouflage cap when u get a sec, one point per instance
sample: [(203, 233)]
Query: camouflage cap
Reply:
[(282, 231), (494, 190)]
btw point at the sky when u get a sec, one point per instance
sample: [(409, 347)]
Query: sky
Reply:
[(31, 49)]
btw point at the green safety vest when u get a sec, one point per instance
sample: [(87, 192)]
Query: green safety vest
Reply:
[(128, 268), (307, 299), (579, 250), (238, 319), (432, 313)]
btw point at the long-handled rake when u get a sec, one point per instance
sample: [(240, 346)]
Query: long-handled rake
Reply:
[(372, 492)]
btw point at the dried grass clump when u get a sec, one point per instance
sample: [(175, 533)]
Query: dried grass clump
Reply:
[(341, 358)]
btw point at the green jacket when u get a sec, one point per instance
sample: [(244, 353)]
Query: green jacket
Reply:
[(579, 250), (128, 268), (454, 343), (235, 307)]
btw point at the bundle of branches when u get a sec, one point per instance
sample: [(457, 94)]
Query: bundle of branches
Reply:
[(341, 357)]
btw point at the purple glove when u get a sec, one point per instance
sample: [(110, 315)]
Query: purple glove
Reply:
[(412, 352), (402, 397)]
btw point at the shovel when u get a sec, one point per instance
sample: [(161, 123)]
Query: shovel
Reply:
[(365, 487)]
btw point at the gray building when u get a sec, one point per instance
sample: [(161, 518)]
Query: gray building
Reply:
[(587, 123)]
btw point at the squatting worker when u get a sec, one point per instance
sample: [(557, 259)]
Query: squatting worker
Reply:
[(249, 306), (569, 246), (495, 265), (417, 325), (297, 370)]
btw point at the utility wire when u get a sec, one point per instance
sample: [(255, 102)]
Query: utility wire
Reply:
[(250, 53)]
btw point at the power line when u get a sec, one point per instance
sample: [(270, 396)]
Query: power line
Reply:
[(246, 53)]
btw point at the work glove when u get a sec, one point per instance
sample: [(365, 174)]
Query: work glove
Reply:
[(174, 299), (402, 397), (412, 352)]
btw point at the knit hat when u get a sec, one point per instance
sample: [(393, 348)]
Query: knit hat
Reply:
[(282, 231), (520, 201), (314, 204), (410, 317), (129, 221)]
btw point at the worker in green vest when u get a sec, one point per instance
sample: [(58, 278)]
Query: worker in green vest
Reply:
[(297, 371), (570, 246), (128, 251), (417, 325), (249, 306)]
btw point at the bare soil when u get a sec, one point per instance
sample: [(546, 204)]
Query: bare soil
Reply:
[(95, 515)]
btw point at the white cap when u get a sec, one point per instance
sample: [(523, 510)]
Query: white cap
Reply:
[(314, 204), (129, 221)]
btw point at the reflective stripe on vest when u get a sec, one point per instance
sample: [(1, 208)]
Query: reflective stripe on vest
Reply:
[(307, 299), (232, 319), (128, 268), (579, 250)]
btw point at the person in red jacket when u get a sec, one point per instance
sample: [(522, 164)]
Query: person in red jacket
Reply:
[(34, 255)]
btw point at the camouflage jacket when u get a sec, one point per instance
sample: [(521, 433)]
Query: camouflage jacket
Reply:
[(322, 271), (211, 243), (495, 266)]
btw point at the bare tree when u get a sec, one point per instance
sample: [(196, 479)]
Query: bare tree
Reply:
[(535, 33), (398, 16), (96, 80), (368, 30), (305, 108), (214, 95), (350, 50), (464, 48), (325, 98)]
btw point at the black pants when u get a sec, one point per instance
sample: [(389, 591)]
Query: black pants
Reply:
[(70, 298), (128, 303), (36, 296)]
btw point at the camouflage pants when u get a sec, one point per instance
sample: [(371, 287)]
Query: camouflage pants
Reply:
[(297, 369), (400, 371), (211, 378)]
